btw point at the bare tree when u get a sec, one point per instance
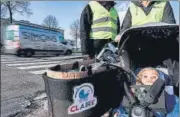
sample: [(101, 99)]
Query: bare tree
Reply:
[(21, 7), (51, 22), (75, 30), (3, 10)]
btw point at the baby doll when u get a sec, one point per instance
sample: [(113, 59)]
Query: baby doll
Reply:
[(147, 76)]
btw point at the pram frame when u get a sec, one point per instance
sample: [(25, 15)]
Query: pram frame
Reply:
[(126, 36)]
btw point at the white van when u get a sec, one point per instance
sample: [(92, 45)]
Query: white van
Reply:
[(28, 41)]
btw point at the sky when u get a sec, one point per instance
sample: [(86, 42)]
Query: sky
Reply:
[(68, 11)]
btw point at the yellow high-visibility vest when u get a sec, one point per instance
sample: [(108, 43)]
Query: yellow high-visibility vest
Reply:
[(140, 18), (104, 24)]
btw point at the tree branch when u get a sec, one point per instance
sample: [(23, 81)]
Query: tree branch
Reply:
[(51, 22), (75, 28), (21, 7)]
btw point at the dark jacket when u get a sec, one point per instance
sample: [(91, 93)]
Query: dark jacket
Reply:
[(87, 44), (168, 16)]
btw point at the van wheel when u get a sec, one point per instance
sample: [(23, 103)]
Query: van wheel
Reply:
[(68, 52), (29, 53), (20, 53), (57, 55)]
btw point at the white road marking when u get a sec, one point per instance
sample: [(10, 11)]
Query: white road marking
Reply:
[(9, 62), (11, 59), (7, 57), (38, 72), (37, 66), (34, 63)]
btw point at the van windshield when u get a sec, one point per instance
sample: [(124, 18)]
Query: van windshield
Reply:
[(61, 38), (10, 35)]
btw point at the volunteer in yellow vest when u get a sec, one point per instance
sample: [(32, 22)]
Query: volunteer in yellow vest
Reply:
[(99, 24), (142, 12)]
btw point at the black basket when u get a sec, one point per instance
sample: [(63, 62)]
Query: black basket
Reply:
[(107, 90)]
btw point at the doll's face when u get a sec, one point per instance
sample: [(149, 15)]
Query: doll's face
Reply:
[(148, 77)]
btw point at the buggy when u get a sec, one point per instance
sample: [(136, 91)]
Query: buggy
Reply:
[(112, 74), (155, 45)]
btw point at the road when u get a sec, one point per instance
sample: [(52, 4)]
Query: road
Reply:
[(21, 80)]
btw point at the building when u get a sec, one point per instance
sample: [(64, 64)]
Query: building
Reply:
[(6, 22)]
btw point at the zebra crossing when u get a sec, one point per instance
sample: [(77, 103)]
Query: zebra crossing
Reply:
[(36, 66)]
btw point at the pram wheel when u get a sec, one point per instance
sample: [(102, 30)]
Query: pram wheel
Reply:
[(140, 111)]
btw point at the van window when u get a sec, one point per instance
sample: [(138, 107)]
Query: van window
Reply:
[(61, 38), (64, 42), (10, 35)]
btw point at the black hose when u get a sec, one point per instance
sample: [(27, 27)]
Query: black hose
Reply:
[(129, 95), (127, 71), (127, 91)]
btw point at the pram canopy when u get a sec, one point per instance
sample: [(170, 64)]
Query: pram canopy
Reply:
[(151, 44)]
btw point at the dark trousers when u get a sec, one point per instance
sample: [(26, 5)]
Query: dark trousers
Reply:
[(97, 46)]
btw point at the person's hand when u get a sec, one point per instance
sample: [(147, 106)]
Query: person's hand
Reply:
[(106, 114), (115, 115), (117, 38), (87, 57)]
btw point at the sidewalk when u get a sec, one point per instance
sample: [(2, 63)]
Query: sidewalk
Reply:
[(42, 111), (38, 107)]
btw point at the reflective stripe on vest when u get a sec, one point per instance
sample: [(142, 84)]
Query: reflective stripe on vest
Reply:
[(105, 29), (105, 19), (140, 18), (104, 24)]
